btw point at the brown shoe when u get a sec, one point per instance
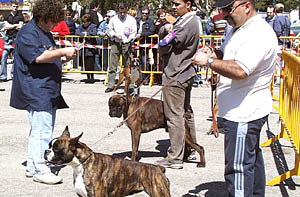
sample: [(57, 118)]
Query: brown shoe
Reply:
[(108, 90)]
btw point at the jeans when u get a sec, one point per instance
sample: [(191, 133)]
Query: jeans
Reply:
[(42, 125), (6, 52)]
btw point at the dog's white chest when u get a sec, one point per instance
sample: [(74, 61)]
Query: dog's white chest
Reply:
[(134, 75), (78, 181)]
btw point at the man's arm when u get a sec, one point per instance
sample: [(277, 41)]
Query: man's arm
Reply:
[(111, 31), (226, 68), (51, 55), (8, 26)]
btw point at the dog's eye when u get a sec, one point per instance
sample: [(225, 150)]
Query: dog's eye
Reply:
[(57, 149)]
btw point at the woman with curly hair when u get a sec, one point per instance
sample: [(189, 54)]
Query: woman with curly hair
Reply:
[(36, 87)]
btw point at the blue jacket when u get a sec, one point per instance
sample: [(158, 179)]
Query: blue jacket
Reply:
[(282, 26), (91, 31), (36, 86), (103, 26)]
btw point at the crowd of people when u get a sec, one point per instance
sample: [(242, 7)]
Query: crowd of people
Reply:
[(243, 93), (145, 27)]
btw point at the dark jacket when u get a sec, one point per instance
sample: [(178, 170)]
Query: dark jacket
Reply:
[(36, 86), (71, 25), (282, 26), (91, 31), (94, 16), (148, 29)]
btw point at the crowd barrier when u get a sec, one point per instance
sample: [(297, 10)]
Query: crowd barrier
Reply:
[(289, 108), (148, 51)]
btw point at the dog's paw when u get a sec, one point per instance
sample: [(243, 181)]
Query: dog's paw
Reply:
[(201, 165)]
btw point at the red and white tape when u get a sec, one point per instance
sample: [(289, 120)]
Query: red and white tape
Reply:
[(92, 46)]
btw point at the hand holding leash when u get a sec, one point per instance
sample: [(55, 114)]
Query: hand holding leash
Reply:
[(202, 56)]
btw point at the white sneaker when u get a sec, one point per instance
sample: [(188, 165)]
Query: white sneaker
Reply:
[(48, 178), (28, 174)]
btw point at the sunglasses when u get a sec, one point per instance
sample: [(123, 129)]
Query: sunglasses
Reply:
[(231, 9), (145, 13)]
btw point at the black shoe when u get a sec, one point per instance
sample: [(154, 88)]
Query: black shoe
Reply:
[(108, 90), (3, 80)]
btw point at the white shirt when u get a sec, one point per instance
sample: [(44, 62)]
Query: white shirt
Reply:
[(253, 46), (126, 28)]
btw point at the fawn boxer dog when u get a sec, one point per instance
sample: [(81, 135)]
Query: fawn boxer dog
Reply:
[(131, 74), (97, 174), (148, 118)]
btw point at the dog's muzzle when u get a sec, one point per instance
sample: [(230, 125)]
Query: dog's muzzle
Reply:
[(48, 155)]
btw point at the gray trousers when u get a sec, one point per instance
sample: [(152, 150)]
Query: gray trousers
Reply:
[(118, 49), (176, 104)]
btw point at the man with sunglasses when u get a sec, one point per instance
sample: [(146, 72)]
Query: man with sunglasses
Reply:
[(145, 28), (245, 63)]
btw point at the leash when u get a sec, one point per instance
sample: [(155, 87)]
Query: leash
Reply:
[(213, 83), (106, 136), (215, 126)]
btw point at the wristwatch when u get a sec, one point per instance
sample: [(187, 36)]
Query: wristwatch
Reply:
[(210, 61)]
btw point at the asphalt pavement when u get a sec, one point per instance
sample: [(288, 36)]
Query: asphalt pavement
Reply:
[(88, 113)]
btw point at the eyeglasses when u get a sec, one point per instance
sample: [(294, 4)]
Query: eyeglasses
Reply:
[(145, 13), (231, 9)]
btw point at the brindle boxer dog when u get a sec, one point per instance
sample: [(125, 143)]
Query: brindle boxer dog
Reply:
[(131, 74), (97, 174), (148, 118)]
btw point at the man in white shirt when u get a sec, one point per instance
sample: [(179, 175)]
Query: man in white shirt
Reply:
[(243, 93), (122, 30)]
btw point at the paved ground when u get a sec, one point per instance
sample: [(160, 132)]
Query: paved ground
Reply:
[(88, 113)]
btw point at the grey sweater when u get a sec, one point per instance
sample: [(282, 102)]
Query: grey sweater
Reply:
[(176, 56)]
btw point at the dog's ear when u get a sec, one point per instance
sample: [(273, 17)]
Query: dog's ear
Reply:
[(74, 142), (78, 137), (66, 133)]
